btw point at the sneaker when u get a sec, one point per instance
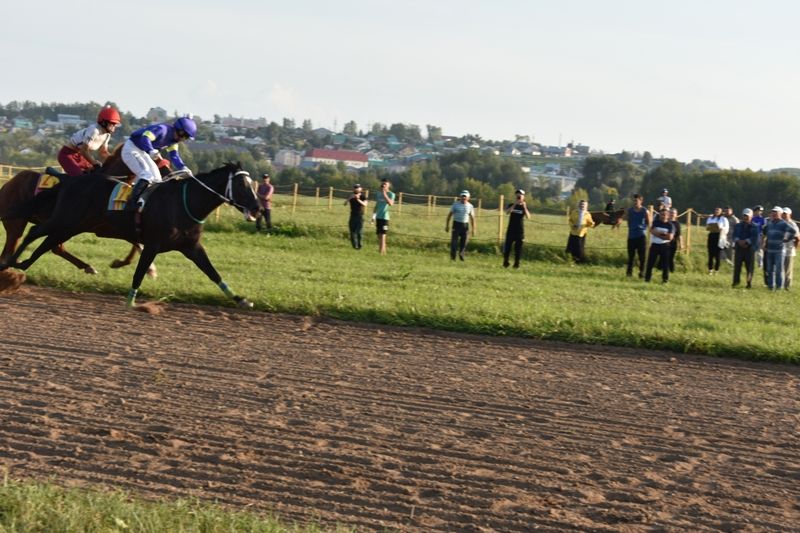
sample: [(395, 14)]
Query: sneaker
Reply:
[(461, 255), (506, 264), (516, 265), (748, 286)]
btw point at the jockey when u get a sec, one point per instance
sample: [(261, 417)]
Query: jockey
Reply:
[(143, 149), (75, 157)]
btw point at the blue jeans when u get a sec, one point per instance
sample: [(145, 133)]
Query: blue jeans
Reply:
[(773, 266)]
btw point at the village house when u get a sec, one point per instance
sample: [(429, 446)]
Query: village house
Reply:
[(350, 158)]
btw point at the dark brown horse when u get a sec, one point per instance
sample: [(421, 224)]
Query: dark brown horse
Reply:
[(614, 219), (22, 187), (172, 219)]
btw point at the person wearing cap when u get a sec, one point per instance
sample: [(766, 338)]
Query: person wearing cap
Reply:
[(638, 221), (776, 234), (580, 221), (358, 205), (462, 215), (515, 232), (746, 236), (264, 194), (759, 220), (661, 234), (664, 200), (383, 201), (717, 228), (789, 249)]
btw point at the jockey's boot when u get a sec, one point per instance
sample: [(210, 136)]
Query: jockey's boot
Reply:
[(135, 201)]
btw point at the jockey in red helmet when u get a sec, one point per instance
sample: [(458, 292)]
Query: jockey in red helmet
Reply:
[(75, 156), (143, 149)]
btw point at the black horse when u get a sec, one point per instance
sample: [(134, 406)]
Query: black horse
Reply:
[(172, 219)]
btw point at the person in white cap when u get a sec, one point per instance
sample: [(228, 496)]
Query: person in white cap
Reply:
[(776, 234), (789, 250), (745, 243), (664, 199), (515, 232), (462, 215)]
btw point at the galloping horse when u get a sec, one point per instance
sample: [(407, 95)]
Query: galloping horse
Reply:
[(172, 219), (23, 186), (602, 217)]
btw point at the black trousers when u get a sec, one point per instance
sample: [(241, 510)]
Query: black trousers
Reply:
[(658, 253), (636, 245), (356, 225), (746, 256), (577, 246), (266, 214), (513, 240), (458, 238), (713, 251), (673, 249)]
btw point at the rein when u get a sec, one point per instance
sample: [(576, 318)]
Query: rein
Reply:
[(226, 198)]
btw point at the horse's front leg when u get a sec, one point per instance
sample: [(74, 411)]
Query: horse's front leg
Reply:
[(148, 255), (197, 254)]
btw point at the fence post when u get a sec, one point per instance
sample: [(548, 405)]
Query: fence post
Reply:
[(399, 203), (316, 202), (477, 214), (330, 198), (500, 205), (688, 231), (294, 197), (433, 204), (216, 214), (429, 204)]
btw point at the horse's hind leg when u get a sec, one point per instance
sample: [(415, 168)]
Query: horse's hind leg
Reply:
[(14, 230), (62, 252), (118, 263)]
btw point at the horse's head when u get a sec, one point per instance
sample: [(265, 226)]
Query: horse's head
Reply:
[(240, 191)]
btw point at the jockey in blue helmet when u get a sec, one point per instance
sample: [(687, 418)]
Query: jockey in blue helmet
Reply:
[(143, 149)]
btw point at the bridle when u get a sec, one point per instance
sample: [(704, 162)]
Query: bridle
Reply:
[(227, 197)]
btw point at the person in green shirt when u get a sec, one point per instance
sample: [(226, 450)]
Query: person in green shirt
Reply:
[(384, 200)]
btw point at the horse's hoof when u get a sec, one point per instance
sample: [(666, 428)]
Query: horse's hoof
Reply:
[(244, 303), (90, 270)]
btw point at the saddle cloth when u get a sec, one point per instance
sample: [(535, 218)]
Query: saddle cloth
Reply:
[(119, 197), (45, 182)]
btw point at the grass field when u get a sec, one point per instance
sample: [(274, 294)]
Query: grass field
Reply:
[(32, 506), (308, 267)]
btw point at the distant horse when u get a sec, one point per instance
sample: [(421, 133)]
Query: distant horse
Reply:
[(602, 217), (172, 219), (23, 186)]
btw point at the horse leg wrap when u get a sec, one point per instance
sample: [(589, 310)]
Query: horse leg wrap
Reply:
[(131, 297), (228, 292)]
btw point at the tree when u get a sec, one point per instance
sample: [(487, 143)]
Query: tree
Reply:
[(434, 133), (351, 128), (288, 123), (307, 126)]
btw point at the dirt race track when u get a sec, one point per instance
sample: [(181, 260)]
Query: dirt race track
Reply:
[(379, 427)]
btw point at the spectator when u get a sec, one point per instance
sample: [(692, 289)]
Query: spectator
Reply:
[(776, 234), (462, 214), (515, 233), (746, 236), (675, 243), (759, 221), (664, 200), (264, 193), (717, 227), (358, 204), (732, 221), (790, 250), (580, 221), (383, 202), (638, 222), (661, 234)]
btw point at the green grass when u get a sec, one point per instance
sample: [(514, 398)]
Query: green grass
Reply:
[(32, 507), (308, 267)]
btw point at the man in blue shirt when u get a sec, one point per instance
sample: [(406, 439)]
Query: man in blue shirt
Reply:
[(638, 222), (746, 235), (776, 234), (462, 215)]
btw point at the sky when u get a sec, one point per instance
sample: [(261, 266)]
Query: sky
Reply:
[(713, 80)]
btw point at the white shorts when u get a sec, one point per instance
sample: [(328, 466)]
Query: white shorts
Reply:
[(140, 163)]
